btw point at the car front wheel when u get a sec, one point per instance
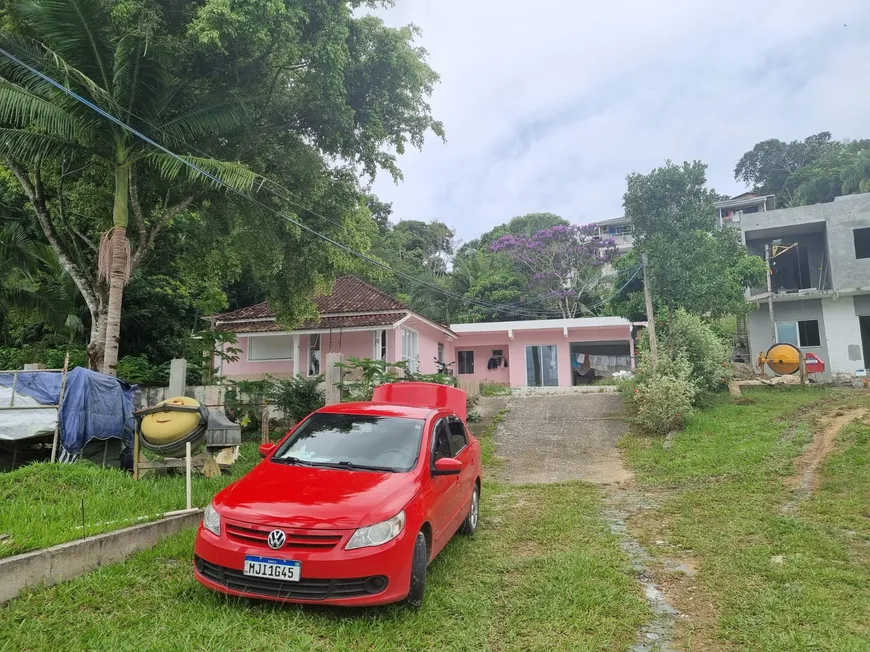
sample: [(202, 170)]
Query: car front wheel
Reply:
[(469, 525), (419, 562)]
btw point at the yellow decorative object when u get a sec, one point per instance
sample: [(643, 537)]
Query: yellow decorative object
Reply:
[(783, 359)]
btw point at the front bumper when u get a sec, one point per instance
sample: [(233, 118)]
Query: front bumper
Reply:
[(363, 577)]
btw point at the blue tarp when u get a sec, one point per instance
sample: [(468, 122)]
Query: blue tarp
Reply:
[(95, 406)]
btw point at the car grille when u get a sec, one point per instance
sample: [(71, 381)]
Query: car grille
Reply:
[(295, 540), (304, 589)]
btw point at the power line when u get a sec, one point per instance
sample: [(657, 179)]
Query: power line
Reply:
[(510, 309)]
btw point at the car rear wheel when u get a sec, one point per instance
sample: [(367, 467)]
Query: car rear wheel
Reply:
[(419, 562), (469, 525)]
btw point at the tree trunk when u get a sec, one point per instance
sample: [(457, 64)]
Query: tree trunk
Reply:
[(97, 343), (117, 281), (118, 269)]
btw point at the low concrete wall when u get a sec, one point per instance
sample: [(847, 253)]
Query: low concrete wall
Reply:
[(53, 565)]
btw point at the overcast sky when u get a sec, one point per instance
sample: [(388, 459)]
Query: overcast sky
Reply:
[(549, 104)]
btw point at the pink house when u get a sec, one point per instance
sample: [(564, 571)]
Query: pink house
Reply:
[(360, 320), (356, 319)]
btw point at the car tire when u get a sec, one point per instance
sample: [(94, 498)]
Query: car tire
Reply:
[(469, 525), (419, 563)]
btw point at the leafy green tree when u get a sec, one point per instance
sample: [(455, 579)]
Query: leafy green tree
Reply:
[(123, 72), (306, 93), (691, 264)]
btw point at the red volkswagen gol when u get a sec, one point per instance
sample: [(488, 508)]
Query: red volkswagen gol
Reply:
[(351, 506)]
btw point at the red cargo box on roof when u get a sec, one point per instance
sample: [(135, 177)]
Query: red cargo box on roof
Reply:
[(431, 395)]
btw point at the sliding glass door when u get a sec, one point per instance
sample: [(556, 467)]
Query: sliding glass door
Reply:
[(542, 366)]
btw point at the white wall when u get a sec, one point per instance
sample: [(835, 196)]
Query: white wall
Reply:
[(841, 330)]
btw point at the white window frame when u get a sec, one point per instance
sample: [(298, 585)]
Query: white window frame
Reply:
[(797, 329), (410, 348), (380, 350), (251, 341)]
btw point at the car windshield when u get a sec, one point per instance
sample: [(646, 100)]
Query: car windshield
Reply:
[(354, 441)]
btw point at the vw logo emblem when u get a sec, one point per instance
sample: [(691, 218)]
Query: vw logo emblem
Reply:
[(276, 539)]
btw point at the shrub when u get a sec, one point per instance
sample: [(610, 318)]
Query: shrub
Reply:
[(298, 396), (696, 344), (495, 389), (16, 358), (362, 375), (707, 354), (244, 400), (138, 370), (663, 403)]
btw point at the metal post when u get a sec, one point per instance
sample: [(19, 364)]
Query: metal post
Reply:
[(187, 472), (54, 442), (647, 294), (770, 295)]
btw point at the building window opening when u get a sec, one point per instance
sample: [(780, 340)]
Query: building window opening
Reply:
[(862, 243)]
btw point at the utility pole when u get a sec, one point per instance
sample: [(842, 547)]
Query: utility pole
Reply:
[(770, 295), (651, 327)]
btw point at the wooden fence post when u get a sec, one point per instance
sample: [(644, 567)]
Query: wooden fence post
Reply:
[(333, 378)]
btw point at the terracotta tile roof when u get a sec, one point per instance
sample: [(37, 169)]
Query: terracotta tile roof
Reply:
[(324, 323), (349, 294)]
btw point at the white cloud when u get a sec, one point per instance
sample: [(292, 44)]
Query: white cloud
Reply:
[(549, 105)]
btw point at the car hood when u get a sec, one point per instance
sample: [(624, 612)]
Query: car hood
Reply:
[(315, 498)]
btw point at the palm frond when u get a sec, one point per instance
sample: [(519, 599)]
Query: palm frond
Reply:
[(16, 248), (20, 107), (30, 146), (203, 121), (235, 175), (79, 30), (138, 75), (55, 66)]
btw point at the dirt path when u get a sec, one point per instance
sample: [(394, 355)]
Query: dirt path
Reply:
[(563, 437), (805, 480)]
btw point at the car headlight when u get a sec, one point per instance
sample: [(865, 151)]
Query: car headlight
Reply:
[(211, 520), (377, 534)]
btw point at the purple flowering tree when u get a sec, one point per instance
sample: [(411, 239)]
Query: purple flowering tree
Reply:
[(564, 264)]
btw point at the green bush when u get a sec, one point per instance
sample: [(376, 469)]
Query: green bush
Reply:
[(298, 396), (495, 389), (663, 403), (244, 400), (138, 370), (694, 342), (707, 354), (16, 358)]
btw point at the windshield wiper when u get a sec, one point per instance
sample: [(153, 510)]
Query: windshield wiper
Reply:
[(291, 460), (356, 467)]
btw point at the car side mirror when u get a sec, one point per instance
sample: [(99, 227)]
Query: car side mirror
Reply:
[(265, 449), (447, 466)]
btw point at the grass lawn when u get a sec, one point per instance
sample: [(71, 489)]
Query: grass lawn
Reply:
[(773, 572), (542, 573), (41, 504)]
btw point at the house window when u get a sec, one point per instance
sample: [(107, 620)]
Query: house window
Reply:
[(410, 348), (380, 352), (440, 351), (466, 361), (799, 333), (270, 347), (498, 353), (862, 242), (314, 355)]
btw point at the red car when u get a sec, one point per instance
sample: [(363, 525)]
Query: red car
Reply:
[(351, 506)]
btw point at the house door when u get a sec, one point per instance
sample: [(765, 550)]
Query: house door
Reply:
[(542, 366)]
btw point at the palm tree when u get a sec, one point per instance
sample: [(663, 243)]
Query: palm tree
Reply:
[(125, 72)]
